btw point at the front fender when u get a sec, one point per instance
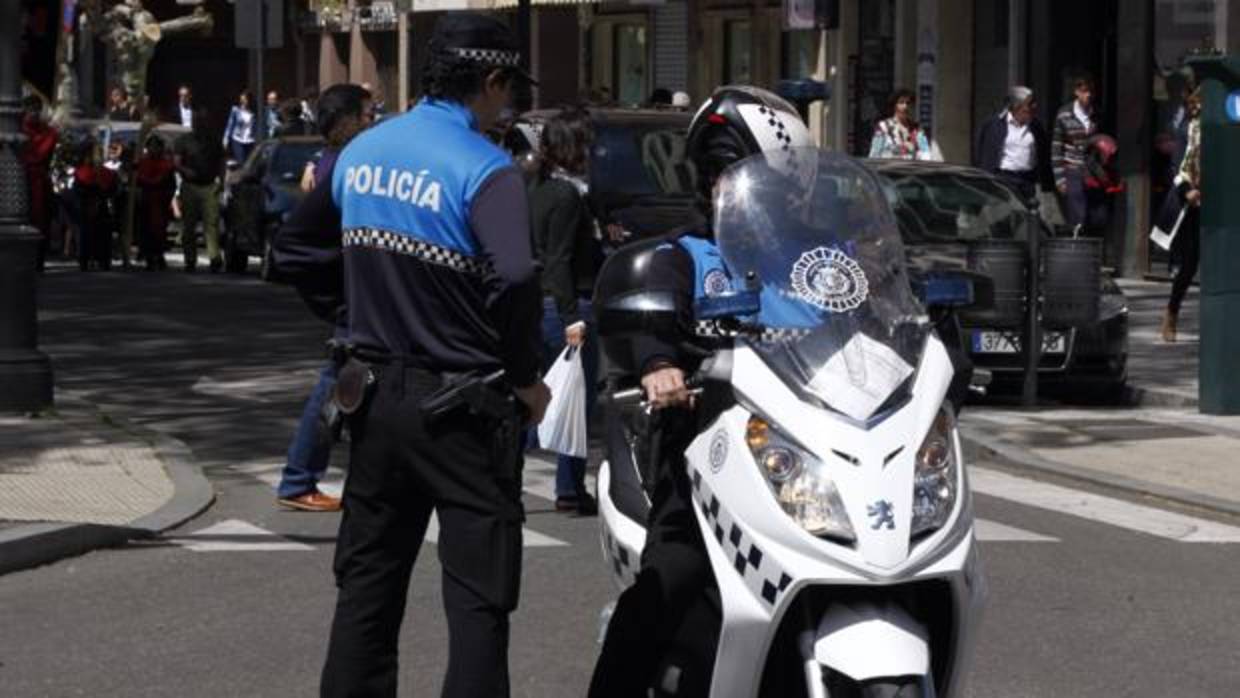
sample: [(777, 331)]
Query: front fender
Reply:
[(865, 640)]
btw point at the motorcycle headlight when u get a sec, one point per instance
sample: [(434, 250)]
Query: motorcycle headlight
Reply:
[(934, 480), (800, 483)]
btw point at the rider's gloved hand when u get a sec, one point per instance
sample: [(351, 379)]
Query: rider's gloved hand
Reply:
[(665, 387)]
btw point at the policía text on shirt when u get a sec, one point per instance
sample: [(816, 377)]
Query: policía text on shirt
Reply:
[(401, 185)]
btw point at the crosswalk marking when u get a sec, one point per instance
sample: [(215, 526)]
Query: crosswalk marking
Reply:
[(235, 535), (995, 532), (1115, 512), (268, 472)]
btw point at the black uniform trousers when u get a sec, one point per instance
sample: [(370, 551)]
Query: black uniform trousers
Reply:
[(675, 571), (467, 469), (1186, 246)]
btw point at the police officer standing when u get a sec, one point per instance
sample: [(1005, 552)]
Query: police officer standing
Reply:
[(444, 311)]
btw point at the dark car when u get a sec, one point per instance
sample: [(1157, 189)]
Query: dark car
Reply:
[(944, 209), (259, 194), (640, 180)]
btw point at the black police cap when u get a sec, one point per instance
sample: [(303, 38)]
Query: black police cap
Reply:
[(480, 39)]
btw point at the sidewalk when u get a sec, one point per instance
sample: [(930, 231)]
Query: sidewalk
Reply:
[(75, 480), (1159, 447)]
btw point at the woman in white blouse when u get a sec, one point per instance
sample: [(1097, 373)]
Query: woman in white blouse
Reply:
[(239, 133)]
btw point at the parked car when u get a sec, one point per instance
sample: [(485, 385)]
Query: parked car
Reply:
[(640, 180), (259, 194), (942, 209)]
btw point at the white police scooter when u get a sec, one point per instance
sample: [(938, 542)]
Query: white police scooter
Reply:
[(830, 488)]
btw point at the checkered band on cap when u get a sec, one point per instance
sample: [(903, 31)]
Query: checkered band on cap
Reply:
[(425, 251), (760, 572), (487, 56)]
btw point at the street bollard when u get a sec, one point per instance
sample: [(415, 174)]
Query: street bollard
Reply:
[(1032, 338), (1218, 368)]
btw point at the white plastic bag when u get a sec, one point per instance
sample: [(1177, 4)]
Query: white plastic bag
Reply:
[(563, 428)]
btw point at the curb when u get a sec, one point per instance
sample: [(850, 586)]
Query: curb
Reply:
[(1011, 457), (32, 545), (1154, 397)]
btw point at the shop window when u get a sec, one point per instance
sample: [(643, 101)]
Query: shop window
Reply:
[(800, 54), (737, 52), (630, 67)]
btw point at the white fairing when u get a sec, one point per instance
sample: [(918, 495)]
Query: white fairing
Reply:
[(867, 641)]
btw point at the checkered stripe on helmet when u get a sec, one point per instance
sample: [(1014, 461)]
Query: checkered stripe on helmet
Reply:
[(759, 572), (770, 335), (487, 56), (425, 251), (625, 563)]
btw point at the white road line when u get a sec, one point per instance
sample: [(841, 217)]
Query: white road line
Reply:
[(995, 532), (234, 535), (333, 483), (1115, 512)]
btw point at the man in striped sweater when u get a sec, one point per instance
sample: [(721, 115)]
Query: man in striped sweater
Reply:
[(1074, 124)]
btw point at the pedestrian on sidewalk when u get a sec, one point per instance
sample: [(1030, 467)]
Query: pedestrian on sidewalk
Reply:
[(1187, 244), (156, 181), (442, 292), (344, 110), (1013, 145), (1075, 123), (36, 156), (900, 137), (242, 128), (200, 162), (94, 186), (564, 243), (121, 107)]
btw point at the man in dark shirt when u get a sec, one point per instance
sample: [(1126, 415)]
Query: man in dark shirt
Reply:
[(199, 160), (441, 288)]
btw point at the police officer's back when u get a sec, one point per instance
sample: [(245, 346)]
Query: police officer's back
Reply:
[(443, 308)]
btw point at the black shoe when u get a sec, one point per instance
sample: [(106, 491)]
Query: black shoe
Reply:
[(565, 504), (586, 506), (216, 265)]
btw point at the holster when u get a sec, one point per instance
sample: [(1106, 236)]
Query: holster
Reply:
[(353, 386)]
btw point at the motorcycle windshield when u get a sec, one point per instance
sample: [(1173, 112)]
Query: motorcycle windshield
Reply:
[(814, 231)]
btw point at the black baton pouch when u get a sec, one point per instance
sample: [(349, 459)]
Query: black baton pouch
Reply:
[(353, 386)]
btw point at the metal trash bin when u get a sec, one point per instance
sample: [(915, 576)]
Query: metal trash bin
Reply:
[(1005, 262), (1071, 281)]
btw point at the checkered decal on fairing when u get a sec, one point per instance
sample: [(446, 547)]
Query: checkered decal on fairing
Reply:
[(625, 563), (425, 251), (758, 571)]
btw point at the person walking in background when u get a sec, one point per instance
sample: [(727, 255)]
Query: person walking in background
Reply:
[(36, 157), (120, 108), (1187, 243), (344, 110), (1014, 146), (199, 160), (157, 182), (185, 107), (240, 130), (271, 115), (1075, 123), (564, 243), (899, 137), (93, 185)]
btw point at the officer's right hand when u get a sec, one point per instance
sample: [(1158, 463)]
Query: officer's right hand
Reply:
[(535, 396), (665, 387)]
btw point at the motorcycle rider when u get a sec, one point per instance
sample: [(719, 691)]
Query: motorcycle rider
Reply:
[(735, 123)]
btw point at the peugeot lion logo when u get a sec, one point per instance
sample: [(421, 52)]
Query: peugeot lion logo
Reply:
[(882, 514)]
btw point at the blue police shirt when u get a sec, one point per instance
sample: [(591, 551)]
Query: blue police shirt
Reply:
[(437, 259)]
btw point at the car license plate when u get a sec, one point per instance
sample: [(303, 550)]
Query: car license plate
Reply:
[(988, 342)]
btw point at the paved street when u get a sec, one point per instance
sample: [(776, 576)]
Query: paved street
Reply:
[(1091, 594)]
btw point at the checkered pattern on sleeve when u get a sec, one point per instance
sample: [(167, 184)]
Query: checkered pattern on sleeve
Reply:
[(759, 572), (487, 56), (425, 251), (711, 328), (625, 563)]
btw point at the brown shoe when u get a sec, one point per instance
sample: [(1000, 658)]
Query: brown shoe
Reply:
[(313, 500), (1169, 321)]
